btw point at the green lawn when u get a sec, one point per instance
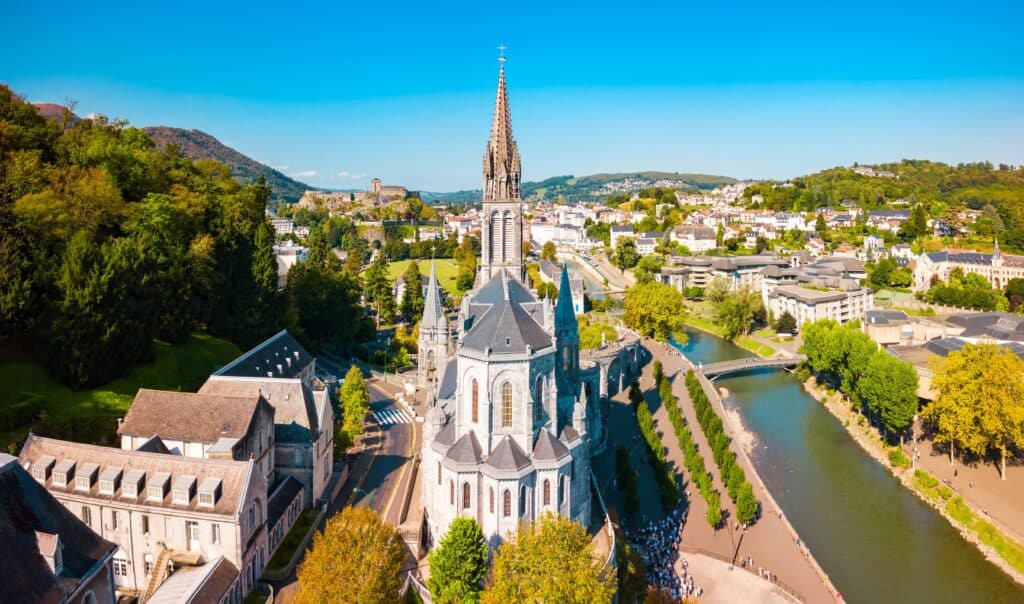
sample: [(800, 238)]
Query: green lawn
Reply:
[(447, 270), (27, 389), (292, 541)]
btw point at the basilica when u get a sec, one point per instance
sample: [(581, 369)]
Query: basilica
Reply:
[(513, 416)]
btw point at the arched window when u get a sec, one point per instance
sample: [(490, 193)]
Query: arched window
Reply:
[(476, 401), (538, 400), (465, 495), (506, 405), (506, 504), (451, 492), (547, 492), (491, 499), (562, 486), (495, 238), (438, 472), (522, 501)]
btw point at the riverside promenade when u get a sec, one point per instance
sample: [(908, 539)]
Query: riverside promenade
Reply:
[(771, 542)]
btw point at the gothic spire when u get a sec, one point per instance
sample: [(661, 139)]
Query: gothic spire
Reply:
[(501, 159), (433, 313), (565, 314)]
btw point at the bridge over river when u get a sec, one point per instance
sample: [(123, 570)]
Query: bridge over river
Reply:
[(714, 370)]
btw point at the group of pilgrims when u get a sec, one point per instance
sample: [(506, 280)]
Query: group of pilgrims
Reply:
[(657, 544)]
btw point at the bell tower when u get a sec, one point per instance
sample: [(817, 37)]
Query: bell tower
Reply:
[(502, 220)]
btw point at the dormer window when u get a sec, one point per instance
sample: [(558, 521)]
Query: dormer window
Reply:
[(63, 472), (157, 489), (85, 476), (508, 341), (41, 468), (134, 482), (184, 487), (209, 492), (109, 480)]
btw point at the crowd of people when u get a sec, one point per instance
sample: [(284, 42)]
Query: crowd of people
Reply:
[(657, 544)]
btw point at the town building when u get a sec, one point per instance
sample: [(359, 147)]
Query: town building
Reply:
[(996, 267), (551, 273), (164, 512), (696, 239), (513, 416), (47, 554)]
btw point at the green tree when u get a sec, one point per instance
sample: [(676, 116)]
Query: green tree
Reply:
[(746, 503), (412, 299), (356, 558), (355, 402), (458, 565), (654, 309), (647, 267), (625, 255), (786, 323), (980, 401), (720, 235), (377, 284), (819, 225), (549, 252), (549, 560), (1014, 293), (889, 389), (714, 513), (736, 311)]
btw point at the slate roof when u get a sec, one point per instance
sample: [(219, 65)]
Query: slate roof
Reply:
[(548, 448), (296, 416), (446, 436), (999, 325), (501, 287), (506, 328), (282, 497), (569, 434), (27, 509), (449, 380), (508, 456), (466, 450), (884, 317), (279, 356), (190, 417), (205, 583), (158, 468)]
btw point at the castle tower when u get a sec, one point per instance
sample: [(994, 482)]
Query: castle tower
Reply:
[(502, 222), (433, 341)]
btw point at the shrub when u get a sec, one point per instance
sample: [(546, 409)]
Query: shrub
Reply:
[(945, 492), (959, 511), (925, 479), (898, 459)]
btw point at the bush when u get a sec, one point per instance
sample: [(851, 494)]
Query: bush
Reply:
[(959, 511), (659, 372), (898, 459), (945, 492), (668, 489), (627, 481), (925, 479)]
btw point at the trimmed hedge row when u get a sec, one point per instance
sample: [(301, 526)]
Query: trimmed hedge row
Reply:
[(668, 489), (733, 477), (627, 481)]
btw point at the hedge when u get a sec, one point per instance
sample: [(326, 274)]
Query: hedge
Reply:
[(668, 488)]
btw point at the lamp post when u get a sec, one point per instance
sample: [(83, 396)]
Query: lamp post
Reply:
[(369, 495)]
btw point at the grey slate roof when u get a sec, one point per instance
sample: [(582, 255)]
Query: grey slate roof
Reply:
[(446, 387), (569, 434), (446, 436), (466, 450), (502, 287), (548, 448), (282, 497), (433, 312), (280, 356), (506, 328), (508, 456), (26, 510)]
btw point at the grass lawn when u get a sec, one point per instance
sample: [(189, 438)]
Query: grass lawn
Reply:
[(292, 541), (26, 389), (447, 270)]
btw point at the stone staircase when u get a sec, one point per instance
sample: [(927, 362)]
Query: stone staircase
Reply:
[(161, 569)]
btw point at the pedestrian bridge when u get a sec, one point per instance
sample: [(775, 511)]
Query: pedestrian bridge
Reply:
[(714, 370)]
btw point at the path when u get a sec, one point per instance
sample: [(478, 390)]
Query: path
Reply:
[(723, 585), (770, 541)]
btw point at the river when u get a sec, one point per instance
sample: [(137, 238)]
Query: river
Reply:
[(877, 541)]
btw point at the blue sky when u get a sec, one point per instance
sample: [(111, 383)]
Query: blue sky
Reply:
[(336, 93)]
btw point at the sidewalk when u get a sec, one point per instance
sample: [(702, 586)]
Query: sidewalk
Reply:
[(770, 541)]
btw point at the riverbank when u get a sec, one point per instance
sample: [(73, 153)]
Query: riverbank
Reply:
[(868, 438), (764, 541), (754, 345)]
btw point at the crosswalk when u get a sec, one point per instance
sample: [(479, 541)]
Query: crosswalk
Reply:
[(391, 416)]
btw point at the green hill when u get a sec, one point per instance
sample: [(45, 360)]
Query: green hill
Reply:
[(593, 187), (197, 144)]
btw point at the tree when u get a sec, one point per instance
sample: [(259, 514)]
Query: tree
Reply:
[(746, 503), (458, 565), (466, 255), (889, 389), (549, 252), (647, 267), (1014, 293), (356, 558), (786, 323), (714, 513), (625, 255), (549, 560), (819, 225), (980, 401), (355, 402), (882, 273), (736, 310), (654, 309), (412, 298), (720, 235), (378, 289)]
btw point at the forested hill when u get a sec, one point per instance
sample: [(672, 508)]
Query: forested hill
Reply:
[(596, 186), (196, 144)]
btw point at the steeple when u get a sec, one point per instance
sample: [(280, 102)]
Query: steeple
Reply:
[(997, 256), (565, 314), (502, 168), (433, 312)]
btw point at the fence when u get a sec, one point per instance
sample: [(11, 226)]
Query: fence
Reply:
[(786, 589)]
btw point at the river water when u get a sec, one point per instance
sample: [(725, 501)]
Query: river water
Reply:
[(876, 540)]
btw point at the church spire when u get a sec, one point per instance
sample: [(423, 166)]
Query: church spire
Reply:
[(565, 314), (501, 159), (433, 313)]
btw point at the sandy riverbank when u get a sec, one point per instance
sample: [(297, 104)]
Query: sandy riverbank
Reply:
[(869, 440)]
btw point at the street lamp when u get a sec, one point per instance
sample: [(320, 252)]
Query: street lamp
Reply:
[(368, 495)]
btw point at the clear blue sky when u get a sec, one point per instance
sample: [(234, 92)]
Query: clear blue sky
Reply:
[(335, 93)]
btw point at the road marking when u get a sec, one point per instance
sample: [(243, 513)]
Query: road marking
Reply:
[(391, 416)]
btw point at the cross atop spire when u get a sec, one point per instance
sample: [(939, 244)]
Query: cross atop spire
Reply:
[(501, 159), (501, 52)]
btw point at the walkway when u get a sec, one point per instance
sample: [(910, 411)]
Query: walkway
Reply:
[(770, 541)]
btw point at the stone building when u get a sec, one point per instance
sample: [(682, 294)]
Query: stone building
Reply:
[(47, 554), (514, 415), (996, 267)]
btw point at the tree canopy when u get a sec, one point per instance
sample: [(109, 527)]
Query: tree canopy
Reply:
[(458, 564), (549, 560), (356, 558), (654, 309)]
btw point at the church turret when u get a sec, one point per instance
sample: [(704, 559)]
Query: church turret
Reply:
[(567, 338), (502, 220), (997, 256), (579, 413), (433, 341)]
